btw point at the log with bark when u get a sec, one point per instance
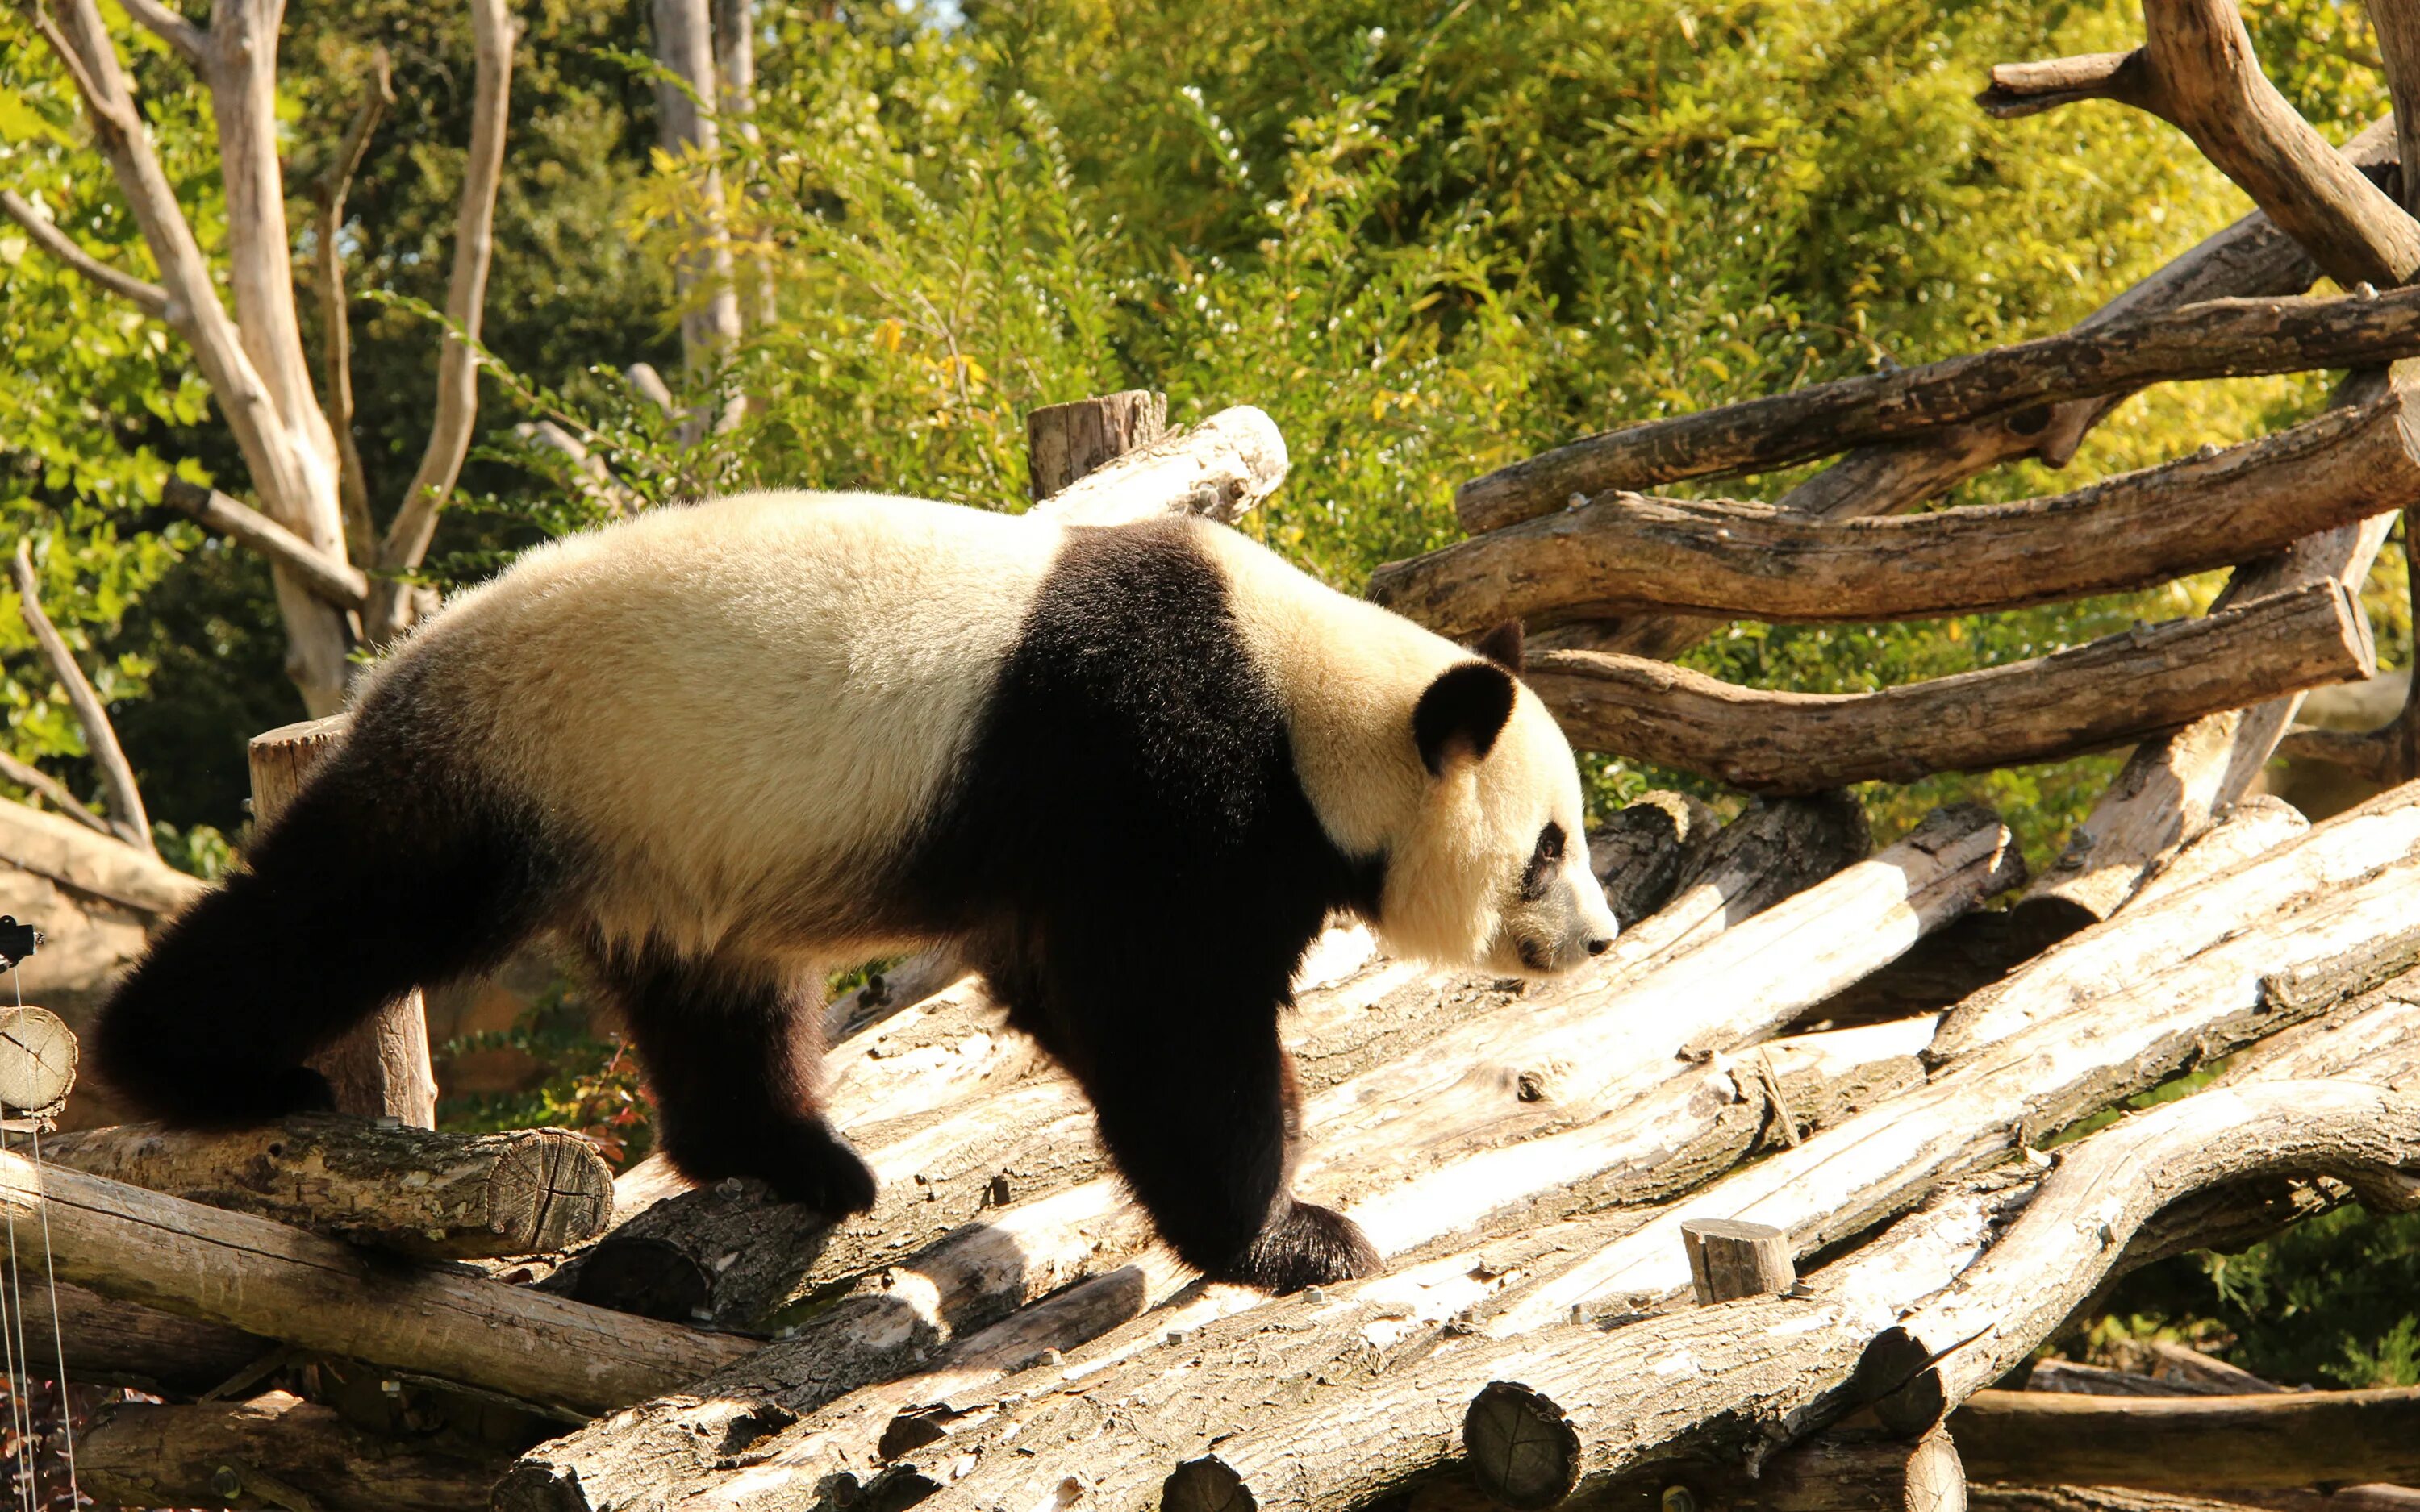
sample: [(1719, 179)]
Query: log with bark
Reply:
[(266, 1453), (415, 1191), (113, 1343), (38, 1064), (1626, 553), (2219, 338), (2110, 692), (2282, 1441), (250, 1274)]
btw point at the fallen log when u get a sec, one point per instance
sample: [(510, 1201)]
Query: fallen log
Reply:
[(735, 1257), (1914, 1373), (260, 1454), (76, 858), (2113, 690), (1626, 553), (415, 1191), (2286, 1440), (250, 1274), (2216, 338), (115, 1343)]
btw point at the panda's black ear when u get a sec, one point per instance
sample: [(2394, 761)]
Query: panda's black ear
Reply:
[(1501, 646), (1461, 713)]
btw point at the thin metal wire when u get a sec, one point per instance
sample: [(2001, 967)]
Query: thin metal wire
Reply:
[(50, 1275), (12, 1344)]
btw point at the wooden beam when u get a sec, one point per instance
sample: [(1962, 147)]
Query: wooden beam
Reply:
[(2218, 338), (2110, 692), (416, 1191), (1626, 553), (260, 1454), (2286, 1440), (263, 1277)]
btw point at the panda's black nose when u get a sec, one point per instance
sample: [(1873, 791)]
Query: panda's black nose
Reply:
[(1598, 947)]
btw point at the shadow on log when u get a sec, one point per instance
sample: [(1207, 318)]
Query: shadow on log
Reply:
[(261, 1454)]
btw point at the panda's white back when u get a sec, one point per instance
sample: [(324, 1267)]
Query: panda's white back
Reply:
[(738, 701)]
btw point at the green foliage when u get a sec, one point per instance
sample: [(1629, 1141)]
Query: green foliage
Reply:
[(590, 1082)]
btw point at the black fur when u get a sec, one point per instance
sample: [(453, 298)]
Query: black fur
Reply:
[(1503, 645), (1462, 711), (1126, 852)]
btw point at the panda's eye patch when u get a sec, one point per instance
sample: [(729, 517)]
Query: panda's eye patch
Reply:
[(1542, 862)]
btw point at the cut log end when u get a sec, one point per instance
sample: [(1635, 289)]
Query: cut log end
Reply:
[(1730, 1260), (1208, 1483), (1064, 441), (37, 1062), (1896, 1377), (549, 1191), (1523, 1451)]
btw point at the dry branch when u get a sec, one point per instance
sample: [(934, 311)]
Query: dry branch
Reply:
[(336, 316), (2113, 690), (35, 779), (2196, 70), (127, 820), (251, 1274), (414, 1190), (1624, 552), (148, 297), (2103, 1190), (245, 1453), (338, 582), (83, 861), (2217, 338), (2286, 1440)]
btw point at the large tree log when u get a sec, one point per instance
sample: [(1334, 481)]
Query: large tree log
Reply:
[(2286, 1440), (2218, 338), (75, 857), (257, 1454), (2110, 692), (248, 1272), (1624, 552), (1915, 1372), (414, 1190), (115, 1343), (735, 1257), (1067, 441), (38, 1064)]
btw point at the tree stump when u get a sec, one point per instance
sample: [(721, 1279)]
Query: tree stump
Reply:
[(1064, 441), (379, 1070)]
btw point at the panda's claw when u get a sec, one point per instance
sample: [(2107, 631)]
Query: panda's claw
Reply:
[(1309, 1246), (819, 1169)]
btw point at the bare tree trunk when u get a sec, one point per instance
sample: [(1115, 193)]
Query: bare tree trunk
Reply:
[(687, 128)]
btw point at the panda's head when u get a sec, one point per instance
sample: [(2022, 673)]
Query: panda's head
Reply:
[(1492, 868)]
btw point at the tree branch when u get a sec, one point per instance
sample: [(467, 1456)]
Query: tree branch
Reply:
[(127, 819), (27, 774), (2196, 70), (457, 372), (339, 583), (192, 42), (335, 318), (149, 298)]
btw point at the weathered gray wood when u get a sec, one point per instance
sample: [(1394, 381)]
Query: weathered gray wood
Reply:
[(2104, 1188), (37, 1063), (1641, 854), (1624, 553), (379, 1068), (2110, 692), (265, 1278), (1730, 1260), (417, 1191), (2212, 339), (1065, 441), (255, 1454), (2284, 1440)]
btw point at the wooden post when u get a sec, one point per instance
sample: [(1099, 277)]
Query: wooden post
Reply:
[(1063, 441), (1731, 1258), (381, 1070)]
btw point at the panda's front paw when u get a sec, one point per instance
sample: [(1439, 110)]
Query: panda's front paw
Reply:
[(1308, 1246), (816, 1167)]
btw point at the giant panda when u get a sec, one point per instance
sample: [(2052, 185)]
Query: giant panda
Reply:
[(719, 751)]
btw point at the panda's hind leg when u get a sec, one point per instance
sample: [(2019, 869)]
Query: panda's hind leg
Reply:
[(734, 1054)]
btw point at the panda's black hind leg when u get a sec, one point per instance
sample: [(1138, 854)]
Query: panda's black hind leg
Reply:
[(733, 1053)]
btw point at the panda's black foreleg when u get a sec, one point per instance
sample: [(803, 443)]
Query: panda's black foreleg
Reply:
[(1203, 1122), (733, 1053)]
